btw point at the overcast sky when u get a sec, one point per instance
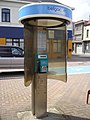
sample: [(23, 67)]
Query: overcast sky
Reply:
[(82, 8)]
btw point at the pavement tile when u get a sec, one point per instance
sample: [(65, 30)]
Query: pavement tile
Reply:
[(68, 99)]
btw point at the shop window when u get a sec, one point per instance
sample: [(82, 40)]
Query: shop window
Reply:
[(5, 15), (9, 42), (15, 42), (22, 43)]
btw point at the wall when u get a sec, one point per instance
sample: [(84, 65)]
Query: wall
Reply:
[(85, 33), (14, 7)]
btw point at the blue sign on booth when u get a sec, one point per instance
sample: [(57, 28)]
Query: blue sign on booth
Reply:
[(50, 10)]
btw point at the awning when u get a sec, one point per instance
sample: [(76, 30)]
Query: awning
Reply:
[(11, 32)]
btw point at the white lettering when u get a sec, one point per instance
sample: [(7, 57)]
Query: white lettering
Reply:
[(57, 9)]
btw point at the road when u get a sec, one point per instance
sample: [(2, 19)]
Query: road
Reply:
[(11, 75)]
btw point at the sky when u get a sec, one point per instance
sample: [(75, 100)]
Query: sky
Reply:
[(82, 9)]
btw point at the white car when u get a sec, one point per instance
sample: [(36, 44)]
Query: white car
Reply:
[(11, 57)]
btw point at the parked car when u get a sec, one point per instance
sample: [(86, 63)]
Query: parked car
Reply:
[(11, 57)]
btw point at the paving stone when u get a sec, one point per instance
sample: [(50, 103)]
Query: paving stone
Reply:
[(68, 99)]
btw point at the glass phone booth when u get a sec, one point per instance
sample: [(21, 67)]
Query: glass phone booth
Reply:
[(45, 42)]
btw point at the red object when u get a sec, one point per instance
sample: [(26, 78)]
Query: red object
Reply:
[(88, 96)]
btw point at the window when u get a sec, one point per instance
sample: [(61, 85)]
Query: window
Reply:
[(5, 15), (87, 34), (15, 42), (86, 46), (4, 52), (79, 37), (78, 27), (17, 51)]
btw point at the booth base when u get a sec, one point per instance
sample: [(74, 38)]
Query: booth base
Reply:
[(52, 114)]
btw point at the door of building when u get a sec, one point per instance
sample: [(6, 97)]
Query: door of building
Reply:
[(79, 48)]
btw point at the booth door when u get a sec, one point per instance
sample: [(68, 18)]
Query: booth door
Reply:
[(54, 48)]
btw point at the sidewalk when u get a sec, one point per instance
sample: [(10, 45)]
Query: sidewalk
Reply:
[(66, 101)]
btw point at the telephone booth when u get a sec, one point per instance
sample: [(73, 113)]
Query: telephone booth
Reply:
[(45, 40)]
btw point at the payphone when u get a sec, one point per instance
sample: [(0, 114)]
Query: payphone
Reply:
[(41, 63)]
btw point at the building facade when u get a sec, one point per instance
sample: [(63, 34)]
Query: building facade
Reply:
[(81, 37), (86, 38), (78, 36), (11, 31)]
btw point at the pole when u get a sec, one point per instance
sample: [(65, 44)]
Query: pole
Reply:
[(39, 95)]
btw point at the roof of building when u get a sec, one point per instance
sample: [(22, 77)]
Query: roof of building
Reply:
[(32, 1), (40, 1), (80, 22), (87, 23), (53, 1)]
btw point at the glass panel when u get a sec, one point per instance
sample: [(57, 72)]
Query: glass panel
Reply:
[(3, 17), (15, 40), (28, 56), (55, 47), (47, 46), (9, 41), (41, 40), (57, 65), (8, 17), (22, 43), (59, 46), (16, 51), (21, 40), (59, 34), (15, 44), (5, 10), (51, 34)]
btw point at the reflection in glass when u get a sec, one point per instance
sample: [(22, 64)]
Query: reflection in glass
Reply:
[(59, 46), (51, 34), (29, 55), (55, 47), (57, 60)]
